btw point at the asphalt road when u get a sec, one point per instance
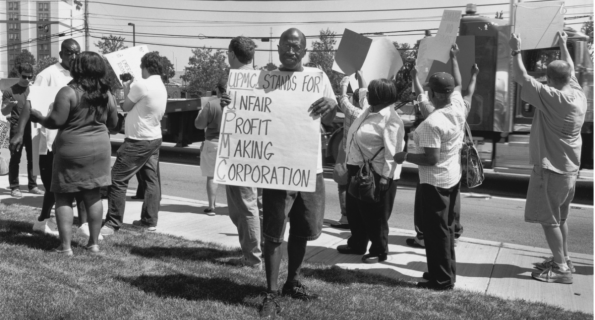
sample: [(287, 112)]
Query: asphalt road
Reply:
[(497, 217)]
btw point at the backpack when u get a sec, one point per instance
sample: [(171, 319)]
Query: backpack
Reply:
[(471, 167)]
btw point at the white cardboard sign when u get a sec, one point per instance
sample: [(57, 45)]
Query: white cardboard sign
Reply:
[(127, 61), (267, 139), (383, 61), (539, 23), (41, 99), (446, 36)]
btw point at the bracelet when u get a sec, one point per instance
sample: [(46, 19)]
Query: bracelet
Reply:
[(515, 52)]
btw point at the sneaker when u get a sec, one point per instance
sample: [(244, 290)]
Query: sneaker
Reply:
[(107, 231), (549, 261), (139, 223), (84, 232), (270, 308), (43, 227), (16, 193), (241, 262), (36, 190), (210, 211), (553, 274), (298, 291), (370, 258)]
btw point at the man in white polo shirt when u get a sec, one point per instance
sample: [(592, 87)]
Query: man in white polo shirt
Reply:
[(145, 103)]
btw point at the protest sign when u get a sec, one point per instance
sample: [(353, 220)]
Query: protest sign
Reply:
[(466, 58), (352, 52), (267, 137), (127, 61), (42, 100), (446, 36), (539, 23), (382, 61)]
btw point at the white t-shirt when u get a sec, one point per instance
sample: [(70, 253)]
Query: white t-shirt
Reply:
[(150, 98), (327, 92), (443, 129), (52, 76)]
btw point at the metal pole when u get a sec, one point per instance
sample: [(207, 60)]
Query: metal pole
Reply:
[(86, 25), (133, 33)]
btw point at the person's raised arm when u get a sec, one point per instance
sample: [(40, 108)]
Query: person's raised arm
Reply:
[(519, 73), (456, 72), (471, 88), (58, 115), (417, 87), (361, 81), (565, 55)]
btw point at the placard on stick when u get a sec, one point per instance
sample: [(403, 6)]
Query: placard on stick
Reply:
[(127, 61), (352, 52), (268, 140), (539, 23)]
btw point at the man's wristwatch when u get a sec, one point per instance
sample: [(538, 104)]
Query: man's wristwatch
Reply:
[(515, 52)]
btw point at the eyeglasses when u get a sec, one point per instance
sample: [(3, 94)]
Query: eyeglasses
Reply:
[(289, 46), (26, 77)]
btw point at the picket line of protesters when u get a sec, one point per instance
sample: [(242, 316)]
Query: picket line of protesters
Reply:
[(85, 111)]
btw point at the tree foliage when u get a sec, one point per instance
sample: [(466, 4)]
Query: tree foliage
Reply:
[(44, 63), (110, 44), (270, 67), (403, 79), (205, 67), (24, 57), (168, 69), (322, 55), (588, 30)]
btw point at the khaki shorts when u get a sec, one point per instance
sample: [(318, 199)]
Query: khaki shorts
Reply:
[(208, 155), (549, 196)]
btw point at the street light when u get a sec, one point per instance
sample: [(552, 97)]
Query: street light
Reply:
[(133, 33)]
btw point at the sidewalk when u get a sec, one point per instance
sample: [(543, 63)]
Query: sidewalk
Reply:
[(486, 267)]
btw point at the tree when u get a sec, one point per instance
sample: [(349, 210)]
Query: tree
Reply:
[(110, 44), (588, 30), (323, 55), (168, 69), (24, 57), (270, 67), (204, 69), (44, 63), (402, 78)]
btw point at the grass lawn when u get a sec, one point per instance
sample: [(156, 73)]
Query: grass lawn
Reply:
[(153, 276)]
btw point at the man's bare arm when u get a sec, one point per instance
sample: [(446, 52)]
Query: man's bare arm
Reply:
[(565, 55)]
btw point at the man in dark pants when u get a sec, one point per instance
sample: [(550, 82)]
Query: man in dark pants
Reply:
[(145, 103), (14, 101), (440, 136), (305, 210)]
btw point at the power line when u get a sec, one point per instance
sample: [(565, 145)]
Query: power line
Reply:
[(310, 12)]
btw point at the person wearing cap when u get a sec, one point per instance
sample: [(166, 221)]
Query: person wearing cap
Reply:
[(441, 137)]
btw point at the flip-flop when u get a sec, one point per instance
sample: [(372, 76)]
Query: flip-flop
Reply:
[(67, 252)]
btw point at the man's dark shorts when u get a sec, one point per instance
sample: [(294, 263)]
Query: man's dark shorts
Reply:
[(304, 209)]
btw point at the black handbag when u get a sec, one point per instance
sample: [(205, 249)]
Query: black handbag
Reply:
[(363, 185), (471, 167)]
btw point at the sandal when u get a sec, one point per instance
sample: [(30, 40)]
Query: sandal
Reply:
[(210, 211), (67, 252), (94, 248)]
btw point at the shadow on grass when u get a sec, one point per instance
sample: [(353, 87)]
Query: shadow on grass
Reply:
[(190, 287), (337, 275), (192, 209), (182, 253), (21, 233)]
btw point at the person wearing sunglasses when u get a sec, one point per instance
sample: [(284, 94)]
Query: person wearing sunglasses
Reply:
[(14, 100)]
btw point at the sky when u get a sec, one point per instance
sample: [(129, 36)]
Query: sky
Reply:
[(189, 23)]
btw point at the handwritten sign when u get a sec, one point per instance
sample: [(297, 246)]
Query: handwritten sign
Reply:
[(446, 36), (539, 23), (268, 140), (127, 61), (41, 99)]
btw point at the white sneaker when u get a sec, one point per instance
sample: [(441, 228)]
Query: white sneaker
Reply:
[(43, 227), (83, 231)]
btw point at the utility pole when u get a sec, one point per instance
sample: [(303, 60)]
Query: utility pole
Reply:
[(271, 47), (86, 25)]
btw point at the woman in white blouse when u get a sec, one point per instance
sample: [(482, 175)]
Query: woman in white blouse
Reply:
[(378, 130)]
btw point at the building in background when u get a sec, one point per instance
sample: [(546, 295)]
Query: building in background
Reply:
[(37, 26)]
